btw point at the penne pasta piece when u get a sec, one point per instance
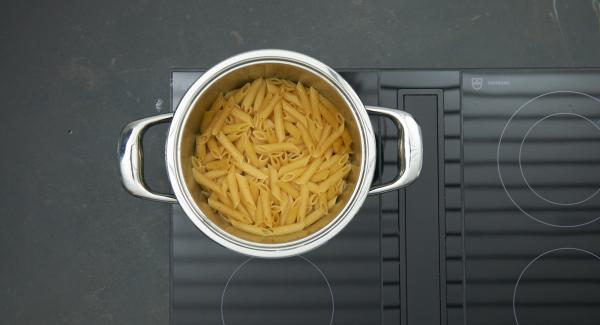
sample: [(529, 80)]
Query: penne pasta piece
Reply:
[(303, 203), (333, 160), (215, 173), (260, 135), (346, 138), (304, 102), (287, 229), (312, 200), (276, 147), (260, 96), (200, 148), (297, 163), (241, 116), (312, 187), (331, 203), (324, 136), (209, 158), (233, 188), (274, 182), (218, 103), (219, 120), (309, 172), (314, 104), (294, 113), (271, 138), (240, 94), (228, 211), (242, 209), (306, 138), (291, 98), (286, 187), (289, 176), (327, 115), (313, 217), (245, 194), (271, 87), (292, 214), (291, 129), (319, 176), (205, 181), (338, 146), (263, 114), (196, 164), (213, 148), (314, 130), (256, 230), (249, 150), (322, 204), (251, 95), (265, 201), (233, 151), (223, 198), (207, 118), (260, 217), (217, 164), (233, 137), (239, 144), (340, 119), (262, 161), (331, 180), (279, 128), (254, 189), (250, 170), (328, 142)]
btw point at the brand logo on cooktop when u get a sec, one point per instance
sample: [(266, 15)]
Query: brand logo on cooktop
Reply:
[(476, 83)]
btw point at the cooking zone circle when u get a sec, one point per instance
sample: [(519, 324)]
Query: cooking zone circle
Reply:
[(298, 286), (541, 196), (548, 158), (562, 282)]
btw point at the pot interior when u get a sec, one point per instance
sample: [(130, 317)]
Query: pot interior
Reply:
[(234, 78)]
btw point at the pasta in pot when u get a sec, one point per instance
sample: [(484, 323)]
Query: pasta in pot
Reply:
[(272, 156)]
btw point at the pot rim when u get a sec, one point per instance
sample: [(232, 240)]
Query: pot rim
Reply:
[(276, 250)]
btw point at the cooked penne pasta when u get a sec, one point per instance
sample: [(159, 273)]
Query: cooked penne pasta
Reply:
[(250, 170), (241, 116), (276, 147), (291, 129), (331, 180), (224, 141), (294, 113), (314, 104), (309, 172), (288, 188), (272, 157), (215, 173), (233, 188), (303, 202), (201, 179), (228, 211), (219, 120), (279, 128)]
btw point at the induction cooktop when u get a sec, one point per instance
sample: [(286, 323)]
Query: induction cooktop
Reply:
[(501, 227)]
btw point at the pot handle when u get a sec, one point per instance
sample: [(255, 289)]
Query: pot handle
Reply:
[(410, 148), (131, 160)]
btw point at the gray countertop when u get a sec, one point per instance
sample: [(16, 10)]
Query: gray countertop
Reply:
[(74, 247)]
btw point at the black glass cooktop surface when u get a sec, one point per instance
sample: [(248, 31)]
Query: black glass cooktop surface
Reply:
[(531, 204), (500, 228)]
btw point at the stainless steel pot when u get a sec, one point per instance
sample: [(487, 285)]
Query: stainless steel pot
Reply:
[(233, 73)]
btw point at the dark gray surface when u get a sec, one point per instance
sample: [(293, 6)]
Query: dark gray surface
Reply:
[(74, 247)]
